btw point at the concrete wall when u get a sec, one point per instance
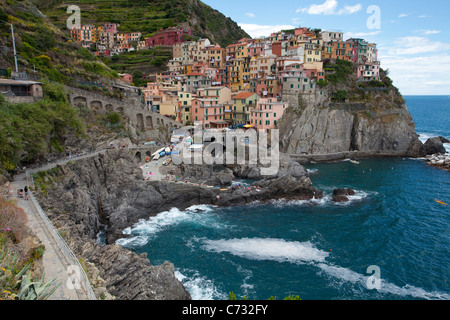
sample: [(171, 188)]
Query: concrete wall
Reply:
[(18, 99)]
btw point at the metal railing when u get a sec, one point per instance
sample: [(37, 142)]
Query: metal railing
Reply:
[(65, 250)]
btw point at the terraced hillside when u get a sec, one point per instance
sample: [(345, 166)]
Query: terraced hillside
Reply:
[(44, 49), (149, 16)]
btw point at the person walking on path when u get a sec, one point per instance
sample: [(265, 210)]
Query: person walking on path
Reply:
[(26, 190)]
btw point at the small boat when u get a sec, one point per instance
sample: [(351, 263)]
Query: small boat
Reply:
[(441, 202), (158, 152), (354, 162)]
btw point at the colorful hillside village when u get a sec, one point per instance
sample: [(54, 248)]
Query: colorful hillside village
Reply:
[(244, 84)]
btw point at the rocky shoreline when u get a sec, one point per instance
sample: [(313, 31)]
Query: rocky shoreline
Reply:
[(436, 155), (441, 161), (109, 192)]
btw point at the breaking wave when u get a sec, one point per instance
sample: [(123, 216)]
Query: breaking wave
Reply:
[(144, 230), (283, 251)]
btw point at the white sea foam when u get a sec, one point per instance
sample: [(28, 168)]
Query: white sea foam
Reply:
[(142, 231), (357, 197), (326, 200), (386, 287), (267, 249), (305, 253), (201, 208), (199, 287)]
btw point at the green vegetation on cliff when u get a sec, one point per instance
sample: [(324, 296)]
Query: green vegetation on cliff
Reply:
[(138, 62), (149, 16), (30, 130), (43, 49)]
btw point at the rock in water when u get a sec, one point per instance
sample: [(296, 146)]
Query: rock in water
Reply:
[(434, 146), (341, 195)]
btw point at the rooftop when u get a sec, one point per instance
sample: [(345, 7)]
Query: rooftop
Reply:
[(17, 82), (244, 95)]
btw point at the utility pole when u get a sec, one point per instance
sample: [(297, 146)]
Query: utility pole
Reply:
[(14, 46)]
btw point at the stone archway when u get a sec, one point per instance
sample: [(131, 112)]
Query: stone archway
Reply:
[(149, 122), (119, 110), (140, 122), (109, 108), (80, 100), (138, 156), (96, 105)]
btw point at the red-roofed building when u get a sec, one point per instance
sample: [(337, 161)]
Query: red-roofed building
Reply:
[(242, 103)]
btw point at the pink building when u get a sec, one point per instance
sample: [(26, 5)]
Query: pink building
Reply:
[(369, 71), (152, 89), (315, 74), (256, 49), (110, 28), (267, 113), (209, 113), (126, 77)]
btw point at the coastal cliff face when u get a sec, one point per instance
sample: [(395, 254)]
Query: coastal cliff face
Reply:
[(108, 193), (343, 127), (80, 199), (372, 121)]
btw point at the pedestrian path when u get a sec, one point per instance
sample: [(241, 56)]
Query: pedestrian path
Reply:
[(55, 265)]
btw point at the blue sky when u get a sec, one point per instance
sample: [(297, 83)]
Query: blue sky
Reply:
[(413, 37)]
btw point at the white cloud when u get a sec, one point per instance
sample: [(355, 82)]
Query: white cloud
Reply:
[(426, 75), (250, 15), (350, 9), (417, 45), (361, 34), (402, 15), (329, 7), (429, 32), (256, 30), (418, 65), (423, 16)]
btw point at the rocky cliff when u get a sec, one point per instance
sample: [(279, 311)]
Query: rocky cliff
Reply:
[(108, 192), (347, 117)]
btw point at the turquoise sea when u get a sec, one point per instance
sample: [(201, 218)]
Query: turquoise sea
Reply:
[(318, 249)]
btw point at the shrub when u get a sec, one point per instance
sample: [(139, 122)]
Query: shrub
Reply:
[(343, 69), (340, 96), (113, 118), (322, 83)]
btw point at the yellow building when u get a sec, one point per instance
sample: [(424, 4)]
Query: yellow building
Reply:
[(96, 33), (313, 52), (237, 83), (242, 102), (168, 108), (185, 106)]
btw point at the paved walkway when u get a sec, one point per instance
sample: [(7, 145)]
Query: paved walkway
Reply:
[(55, 265)]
